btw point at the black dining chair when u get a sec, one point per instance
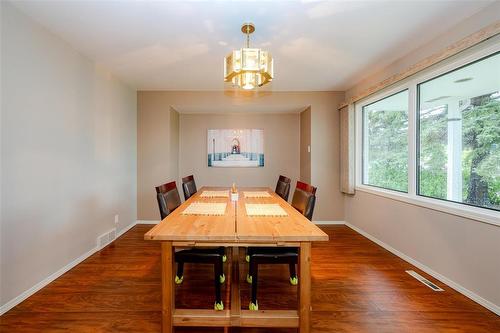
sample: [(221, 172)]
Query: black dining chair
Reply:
[(188, 186), (283, 190), (169, 200), (304, 199), (283, 187)]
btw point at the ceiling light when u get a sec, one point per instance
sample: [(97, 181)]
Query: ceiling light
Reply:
[(248, 68)]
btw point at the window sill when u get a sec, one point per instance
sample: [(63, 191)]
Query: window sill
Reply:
[(474, 213)]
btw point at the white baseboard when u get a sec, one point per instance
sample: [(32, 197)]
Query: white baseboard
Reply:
[(329, 222), (18, 299), (124, 230), (147, 222), (476, 298), (27, 293)]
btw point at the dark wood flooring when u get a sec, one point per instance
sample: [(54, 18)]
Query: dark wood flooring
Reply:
[(357, 287)]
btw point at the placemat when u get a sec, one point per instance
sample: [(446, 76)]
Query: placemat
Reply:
[(215, 194), (256, 194), (265, 210), (205, 208)]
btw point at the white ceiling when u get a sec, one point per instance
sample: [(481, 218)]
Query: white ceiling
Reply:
[(317, 45)]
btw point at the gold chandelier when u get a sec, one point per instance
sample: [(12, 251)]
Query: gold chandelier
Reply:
[(248, 68)]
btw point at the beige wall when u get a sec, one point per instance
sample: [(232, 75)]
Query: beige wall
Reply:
[(462, 250), (153, 153), (325, 152), (68, 153), (281, 148), (174, 143), (153, 136), (305, 142)]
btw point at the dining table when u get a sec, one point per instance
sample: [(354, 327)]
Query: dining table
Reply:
[(235, 229)]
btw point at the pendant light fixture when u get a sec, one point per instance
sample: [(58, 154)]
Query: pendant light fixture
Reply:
[(248, 68)]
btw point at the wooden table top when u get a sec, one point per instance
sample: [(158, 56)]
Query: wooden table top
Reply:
[(235, 226), (294, 227), (178, 227)]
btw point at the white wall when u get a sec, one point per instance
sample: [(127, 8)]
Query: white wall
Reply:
[(461, 250), (68, 153)]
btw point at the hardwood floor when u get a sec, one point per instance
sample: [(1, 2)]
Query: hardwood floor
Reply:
[(357, 287)]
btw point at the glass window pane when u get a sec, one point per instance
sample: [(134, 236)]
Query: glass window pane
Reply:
[(385, 143), (459, 135)]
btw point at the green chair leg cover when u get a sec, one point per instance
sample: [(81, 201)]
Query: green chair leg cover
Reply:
[(218, 306), (253, 307)]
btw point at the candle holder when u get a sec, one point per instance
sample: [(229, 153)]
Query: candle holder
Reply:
[(234, 193)]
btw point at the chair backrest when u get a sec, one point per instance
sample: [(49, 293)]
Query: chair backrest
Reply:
[(168, 198), (283, 187), (304, 199), (188, 186)]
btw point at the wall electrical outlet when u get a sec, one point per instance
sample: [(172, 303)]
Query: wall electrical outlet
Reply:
[(117, 218)]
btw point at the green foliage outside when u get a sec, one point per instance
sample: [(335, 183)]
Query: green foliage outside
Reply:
[(480, 153), (433, 156), (481, 161), (387, 155)]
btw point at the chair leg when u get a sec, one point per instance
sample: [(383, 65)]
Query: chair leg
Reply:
[(254, 268), (222, 252), (250, 270), (218, 274), (248, 254), (223, 258), (179, 277), (293, 274)]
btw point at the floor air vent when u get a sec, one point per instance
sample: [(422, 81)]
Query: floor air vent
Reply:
[(112, 235), (106, 238), (424, 281)]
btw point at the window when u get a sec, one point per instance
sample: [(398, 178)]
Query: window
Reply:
[(458, 139), (385, 142), (433, 140)]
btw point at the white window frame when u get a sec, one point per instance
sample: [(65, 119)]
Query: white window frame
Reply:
[(454, 208)]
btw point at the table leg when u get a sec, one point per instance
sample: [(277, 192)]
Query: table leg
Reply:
[(305, 287), (168, 291), (235, 287)]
